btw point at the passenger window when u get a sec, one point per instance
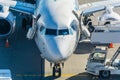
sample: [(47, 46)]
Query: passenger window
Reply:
[(51, 32), (1, 8)]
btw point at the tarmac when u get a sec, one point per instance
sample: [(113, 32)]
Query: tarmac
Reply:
[(23, 58)]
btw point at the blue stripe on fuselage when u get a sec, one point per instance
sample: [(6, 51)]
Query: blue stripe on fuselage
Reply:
[(24, 7)]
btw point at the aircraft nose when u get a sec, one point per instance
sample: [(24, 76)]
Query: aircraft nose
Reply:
[(63, 50), (59, 49)]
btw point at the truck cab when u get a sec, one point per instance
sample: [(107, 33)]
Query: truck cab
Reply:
[(99, 65), (96, 60)]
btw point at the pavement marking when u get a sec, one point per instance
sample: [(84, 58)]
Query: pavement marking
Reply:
[(67, 75)]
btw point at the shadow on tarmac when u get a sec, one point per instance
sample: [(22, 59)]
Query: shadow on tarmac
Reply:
[(86, 76), (50, 78), (81, 76), (84, 48), (22, 57)]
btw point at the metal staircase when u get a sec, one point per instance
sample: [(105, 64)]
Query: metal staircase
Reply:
[(114, 56)]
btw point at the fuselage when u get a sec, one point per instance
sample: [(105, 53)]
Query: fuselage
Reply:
[(57, 32)]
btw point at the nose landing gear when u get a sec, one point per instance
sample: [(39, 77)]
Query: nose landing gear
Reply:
[(56, 70)]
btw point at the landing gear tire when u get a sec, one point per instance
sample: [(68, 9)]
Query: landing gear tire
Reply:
[(59, 72), (53, 71), (56, 71), (104, 74)]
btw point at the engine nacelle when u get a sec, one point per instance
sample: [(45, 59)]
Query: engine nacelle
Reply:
[(7, 24)]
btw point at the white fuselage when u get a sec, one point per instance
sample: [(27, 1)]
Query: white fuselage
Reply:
[(56, 38)]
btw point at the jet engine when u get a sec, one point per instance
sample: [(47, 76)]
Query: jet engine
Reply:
[(7, 24)]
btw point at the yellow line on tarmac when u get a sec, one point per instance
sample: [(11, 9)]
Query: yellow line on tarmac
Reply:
[(63, 75), (66, 75)]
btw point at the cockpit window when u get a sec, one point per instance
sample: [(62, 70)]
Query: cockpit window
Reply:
[(1, 8), (74, 25), (56, 32), (63, 32), (42, 30), (51, 32)]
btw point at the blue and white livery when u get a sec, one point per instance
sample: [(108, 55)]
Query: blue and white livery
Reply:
[(55, 25)]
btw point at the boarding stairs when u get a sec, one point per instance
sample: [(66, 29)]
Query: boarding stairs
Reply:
[(114, 56)]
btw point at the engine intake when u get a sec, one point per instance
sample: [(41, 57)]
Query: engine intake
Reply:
[(7, 22), (5, 28)]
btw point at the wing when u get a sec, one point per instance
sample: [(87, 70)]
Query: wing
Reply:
[(99, 6), (19, 6)]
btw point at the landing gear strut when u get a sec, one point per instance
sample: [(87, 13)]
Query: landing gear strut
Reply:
[(57, 70)]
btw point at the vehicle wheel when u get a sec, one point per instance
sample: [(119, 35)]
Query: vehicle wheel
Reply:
[(107, 23), (104, 74), (59, 72), (54, 72)]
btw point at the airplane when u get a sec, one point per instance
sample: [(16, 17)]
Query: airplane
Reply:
[(55, 26)]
